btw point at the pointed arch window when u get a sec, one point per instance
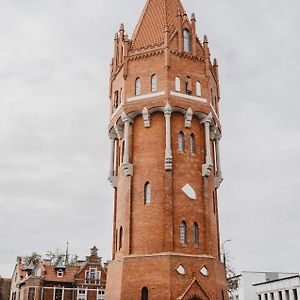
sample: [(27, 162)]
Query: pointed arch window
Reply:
[(196, 233), (183, 237), (147, 193), (153, 83), (181, 143), (192, 144), (177, 84), (198, 89), (138, 86), (186, 41), (121, 238), (144, 293)]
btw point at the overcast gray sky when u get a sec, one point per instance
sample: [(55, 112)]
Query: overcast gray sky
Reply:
[(54, 68)]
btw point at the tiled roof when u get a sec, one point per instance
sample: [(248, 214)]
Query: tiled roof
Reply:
[(156, 15), (69, 273)]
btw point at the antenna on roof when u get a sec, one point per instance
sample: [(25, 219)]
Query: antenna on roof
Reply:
[(67, 255)]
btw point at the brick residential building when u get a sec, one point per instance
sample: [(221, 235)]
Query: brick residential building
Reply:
[(83, 280), (4, 288), (165, 161)]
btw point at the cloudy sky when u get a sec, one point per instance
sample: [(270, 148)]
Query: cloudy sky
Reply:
[(54, 67)]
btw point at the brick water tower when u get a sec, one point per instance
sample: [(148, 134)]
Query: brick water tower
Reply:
[(165, 162)]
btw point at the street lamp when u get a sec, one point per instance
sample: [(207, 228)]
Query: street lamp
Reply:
[(223, 251)]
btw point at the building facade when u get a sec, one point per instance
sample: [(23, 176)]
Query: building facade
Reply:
[(165, 161), (279, 289), (84, 280), (4, 288), (247, 281)]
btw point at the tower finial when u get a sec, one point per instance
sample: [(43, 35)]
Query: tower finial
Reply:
[(121, 27), (193, 17)]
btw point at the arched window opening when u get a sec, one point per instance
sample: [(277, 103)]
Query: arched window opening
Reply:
[(181, 143), (153, 83), (188, 85), (192, 144), (196, 233), (116, 99), (198, 89), (186, 41), (137, 86), (183, 238), (177, 84), (147, 193), (144, 295), (121, 238)]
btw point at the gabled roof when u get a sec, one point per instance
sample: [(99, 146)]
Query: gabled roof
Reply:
[(156, 15)]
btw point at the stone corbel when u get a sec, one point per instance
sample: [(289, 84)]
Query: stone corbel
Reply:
[(188, 118), (207, 167), (146, 117), (111, 177), (168, 150), (119, 131), (126, 165)]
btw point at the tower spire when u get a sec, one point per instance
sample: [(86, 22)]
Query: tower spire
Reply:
[(157, 14)]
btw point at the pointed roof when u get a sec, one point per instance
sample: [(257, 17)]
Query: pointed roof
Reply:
[(156, 16)]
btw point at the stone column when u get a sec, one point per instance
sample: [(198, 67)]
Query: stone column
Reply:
[(168, 151), (127, 166), (219, 178), (208, 165), (111, 177)]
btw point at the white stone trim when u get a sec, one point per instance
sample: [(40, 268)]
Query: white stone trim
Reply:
[(146, 96), (208, 165), (185, 96), (146, 117), (168, 150), (127, 166), (188, 118)]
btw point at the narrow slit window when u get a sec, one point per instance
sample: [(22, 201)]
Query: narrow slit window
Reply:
[(147, 193), (186, 41), (196, 233), (153, 83), (144, 293), (177, 84), (192, 144), (198, 89), (137, 86), (183, 238), (121, 238), (181, 144)]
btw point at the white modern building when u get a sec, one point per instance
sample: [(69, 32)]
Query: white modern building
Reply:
[(247, 281), (280, 289)]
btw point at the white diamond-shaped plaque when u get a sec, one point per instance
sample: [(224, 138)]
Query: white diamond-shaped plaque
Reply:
[(204, 271), (189, 191), (180, 269)]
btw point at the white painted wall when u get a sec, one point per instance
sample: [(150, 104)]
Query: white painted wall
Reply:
[(247, 291)]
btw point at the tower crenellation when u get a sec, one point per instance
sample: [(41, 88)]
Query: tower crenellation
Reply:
[(165, 164)]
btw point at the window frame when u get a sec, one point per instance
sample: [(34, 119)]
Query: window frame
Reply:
[(177, 84), (181, 142), (138, 86), (147, 193), (192, 144), (196, 233), (186, 40), (153, 83), (198, 89), (183, 233)]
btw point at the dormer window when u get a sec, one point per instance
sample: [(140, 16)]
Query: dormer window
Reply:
[(60, 273), (138, 86), (153, 83), (186, 41)]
